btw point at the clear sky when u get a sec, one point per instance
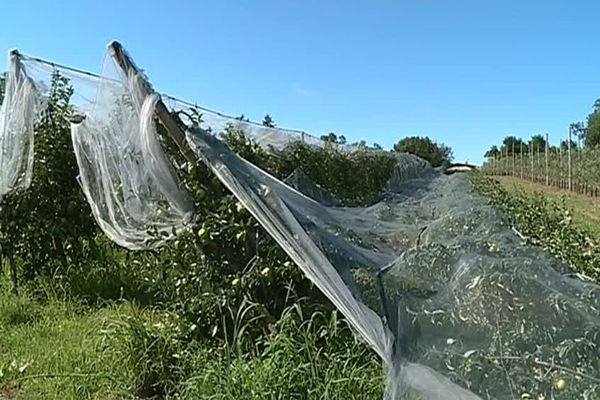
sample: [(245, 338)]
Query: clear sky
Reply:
[(464, 72)]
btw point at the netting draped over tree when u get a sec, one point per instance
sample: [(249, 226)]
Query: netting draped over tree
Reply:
[(430, 276), (124, 173), (130, 185), (17, 115)]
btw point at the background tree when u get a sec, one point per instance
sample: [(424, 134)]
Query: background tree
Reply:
[(539, 143), (564, 145), (592, 131), (268, 121), (331, 137), (436, 154), (492, 152), (511, 143), (578, 131)]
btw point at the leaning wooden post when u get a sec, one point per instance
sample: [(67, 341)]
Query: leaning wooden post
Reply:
[(129, 68)]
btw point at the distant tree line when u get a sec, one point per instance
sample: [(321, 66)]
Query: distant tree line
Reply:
[(584, 135)]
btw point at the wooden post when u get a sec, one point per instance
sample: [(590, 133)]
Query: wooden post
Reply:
[(537, 165), (570, 183), (521, 154), (560, 177), (531, 158), (546, 151), (129, 68), (513, 158)]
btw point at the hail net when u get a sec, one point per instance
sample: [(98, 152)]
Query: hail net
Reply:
[(452, 299), (128, 181), (17, 114)]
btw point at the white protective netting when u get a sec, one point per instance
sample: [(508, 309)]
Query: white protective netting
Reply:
[(124, 173), (431, 276), (130, 185), (269, 138), (19, 108)]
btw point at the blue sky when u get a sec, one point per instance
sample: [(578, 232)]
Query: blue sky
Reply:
[(464, 72)]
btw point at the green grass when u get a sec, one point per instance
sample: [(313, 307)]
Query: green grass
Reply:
[(54, 351), (586, 210), (306, 359), (57, 350)]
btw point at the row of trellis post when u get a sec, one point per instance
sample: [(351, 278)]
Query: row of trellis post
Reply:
[(535, 166)]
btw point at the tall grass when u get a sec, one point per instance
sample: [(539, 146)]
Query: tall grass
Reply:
[(306, 357), (57, 350)]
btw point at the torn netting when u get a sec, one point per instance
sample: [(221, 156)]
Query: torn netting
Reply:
[(317, 239), (432, 277)]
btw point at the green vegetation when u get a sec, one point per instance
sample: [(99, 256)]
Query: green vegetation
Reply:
[(586, 210), (527, 159), (592, 128), (436, 154), (547, 222), (221, 312), (57, 350)]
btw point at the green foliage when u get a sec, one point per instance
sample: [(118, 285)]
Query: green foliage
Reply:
[(153, 350), (512, 144), (537, 143), (492, 152), (222, 280), (592, 131), (357, 178), (307, 357), (548, 223), (424, 147), (585, 169), (17, 310), (564, 145), (331, 137)]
